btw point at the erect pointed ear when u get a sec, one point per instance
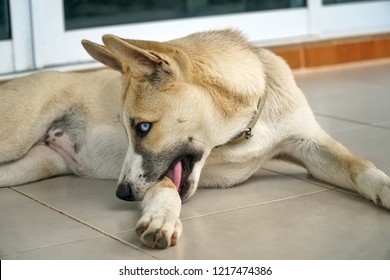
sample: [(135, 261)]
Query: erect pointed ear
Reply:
[(102, 54), (141, 58)]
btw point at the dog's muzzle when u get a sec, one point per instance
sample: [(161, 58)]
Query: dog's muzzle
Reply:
[(124, 192)]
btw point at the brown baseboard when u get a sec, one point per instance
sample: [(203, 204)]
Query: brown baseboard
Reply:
[(336, 51), (332, 52)]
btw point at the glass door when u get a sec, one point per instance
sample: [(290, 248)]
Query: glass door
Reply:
[(67, 22)]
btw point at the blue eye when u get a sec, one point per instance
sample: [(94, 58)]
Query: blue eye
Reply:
[(143, 128)]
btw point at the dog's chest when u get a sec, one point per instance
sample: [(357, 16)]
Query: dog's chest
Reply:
[(228, 168)]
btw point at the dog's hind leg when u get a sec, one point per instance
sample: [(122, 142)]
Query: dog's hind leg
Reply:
[(327, 160), (38, 163), (24, 114), (15, 141)]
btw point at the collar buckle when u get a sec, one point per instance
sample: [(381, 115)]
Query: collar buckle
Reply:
[(248, 133)]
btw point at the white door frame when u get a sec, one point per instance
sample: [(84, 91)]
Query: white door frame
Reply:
[(17, 53)]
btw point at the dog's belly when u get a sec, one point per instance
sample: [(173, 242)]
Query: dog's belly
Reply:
[(89, 150)]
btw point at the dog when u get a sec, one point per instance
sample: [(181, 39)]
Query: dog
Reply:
[(203, 110)]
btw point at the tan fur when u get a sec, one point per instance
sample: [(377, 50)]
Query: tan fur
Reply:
[(194, 94)]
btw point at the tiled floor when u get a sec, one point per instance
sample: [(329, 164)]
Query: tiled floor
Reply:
[(280, 213)]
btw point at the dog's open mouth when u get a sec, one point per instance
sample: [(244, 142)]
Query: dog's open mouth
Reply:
[(179, 173)]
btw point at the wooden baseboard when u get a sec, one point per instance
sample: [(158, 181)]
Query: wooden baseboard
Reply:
[(337, 51)]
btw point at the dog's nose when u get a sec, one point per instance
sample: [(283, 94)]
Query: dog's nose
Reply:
[(124, 192)]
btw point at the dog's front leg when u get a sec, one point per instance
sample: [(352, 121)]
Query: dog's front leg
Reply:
[(160, 226), (328, 160)]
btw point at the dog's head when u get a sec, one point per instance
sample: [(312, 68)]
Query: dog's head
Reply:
[(170, 116), (164, 115)]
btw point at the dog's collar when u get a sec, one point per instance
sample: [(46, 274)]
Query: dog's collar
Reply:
[(247, 133)]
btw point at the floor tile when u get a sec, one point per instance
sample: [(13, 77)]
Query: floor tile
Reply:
[(377, 71), (101, 248), (89, 200), (340, 78), (327, 225), (370, 143), (366, 105), (385, 124), (263, 186), (322, 83), (331, 124), (26, 224), (94, 201), (295, 171), (351, 93)]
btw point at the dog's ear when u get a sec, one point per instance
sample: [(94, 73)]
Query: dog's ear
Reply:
[(140, 56), (102, 54)]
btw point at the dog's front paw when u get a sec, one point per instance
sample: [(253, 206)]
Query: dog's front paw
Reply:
[(159, 230), (375, 185), (160, 226)]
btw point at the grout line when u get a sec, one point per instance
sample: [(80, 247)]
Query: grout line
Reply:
[(341, 119), (47, 246), (83, 223), (352, 121), (380, 126), (320, 184), (330, 187), (256, 204), (350, 192)]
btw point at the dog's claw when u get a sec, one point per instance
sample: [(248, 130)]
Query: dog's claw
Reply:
[(174, 239), (155, 234), (378, 201), (157, 239), (141, 229)]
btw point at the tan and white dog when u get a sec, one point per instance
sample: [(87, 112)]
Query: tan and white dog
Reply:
[(207, 109)]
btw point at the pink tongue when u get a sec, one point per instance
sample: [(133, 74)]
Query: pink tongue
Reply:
[(175, 174)]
